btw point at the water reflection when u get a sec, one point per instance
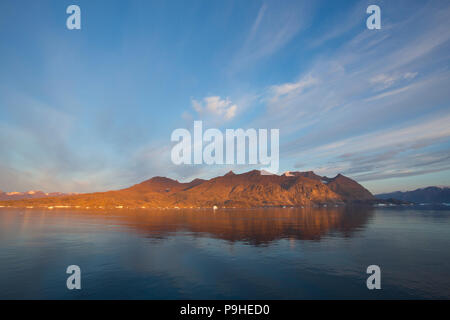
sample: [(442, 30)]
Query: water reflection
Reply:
[(255, 227)]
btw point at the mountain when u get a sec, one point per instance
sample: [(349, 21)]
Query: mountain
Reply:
[(32, 194), (348, 189), (433, 195), (246, 190)]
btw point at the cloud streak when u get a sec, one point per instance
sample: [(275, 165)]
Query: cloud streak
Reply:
[(274, 26)]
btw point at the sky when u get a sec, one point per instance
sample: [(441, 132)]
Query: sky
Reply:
[(93, 109)]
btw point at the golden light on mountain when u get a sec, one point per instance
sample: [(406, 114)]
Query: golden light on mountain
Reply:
[(247, 190)]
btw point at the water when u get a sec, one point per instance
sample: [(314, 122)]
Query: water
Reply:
[(236, 254)]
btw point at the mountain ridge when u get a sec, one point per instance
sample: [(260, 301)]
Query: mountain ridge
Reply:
[(246, 190), (431, 195)]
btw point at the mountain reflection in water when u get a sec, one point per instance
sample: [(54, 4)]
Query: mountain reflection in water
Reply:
[(252, 226), (271, 253)]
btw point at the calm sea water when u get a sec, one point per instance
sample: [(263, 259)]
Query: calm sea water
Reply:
[(238, 254)]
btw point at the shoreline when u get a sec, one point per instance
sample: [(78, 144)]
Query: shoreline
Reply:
[(143, 208)]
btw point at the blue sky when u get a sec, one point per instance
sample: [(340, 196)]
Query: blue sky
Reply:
[(93, 109)]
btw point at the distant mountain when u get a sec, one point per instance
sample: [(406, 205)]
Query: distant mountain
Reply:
[(426, 195), (250, 189), (32, 194)]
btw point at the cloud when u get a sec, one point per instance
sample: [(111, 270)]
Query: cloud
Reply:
[(258, 19), (274, 26), (401, 152), (366, 167), (418, 134), (46, 150), (389, 93), (215, 106), (291, 88), (388, 80)]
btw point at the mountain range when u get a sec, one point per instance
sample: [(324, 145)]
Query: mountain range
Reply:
[(32, 194), (432, 195), (246, 190)]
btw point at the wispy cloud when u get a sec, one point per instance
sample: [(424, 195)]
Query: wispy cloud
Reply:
[(292, 88), (275, 25), (387, 80), (412, 136)]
